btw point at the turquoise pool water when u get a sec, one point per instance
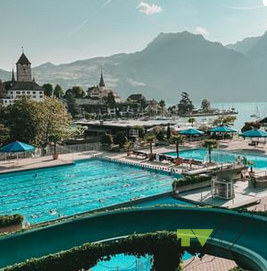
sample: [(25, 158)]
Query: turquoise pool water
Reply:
[(221, 156), (45, 194), (122, 262)]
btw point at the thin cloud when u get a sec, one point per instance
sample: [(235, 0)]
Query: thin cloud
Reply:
[(85, 22), (243, 7), (202, 31), (149, 9)]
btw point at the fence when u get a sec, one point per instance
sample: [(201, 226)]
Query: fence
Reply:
[(73, 148)]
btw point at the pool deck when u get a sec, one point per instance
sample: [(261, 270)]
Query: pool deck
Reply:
[(43, 162), (208, 263)]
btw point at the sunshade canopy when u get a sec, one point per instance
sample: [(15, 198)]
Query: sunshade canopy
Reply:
[(222, 129), (17, 147), (254, 133), (191, 131)]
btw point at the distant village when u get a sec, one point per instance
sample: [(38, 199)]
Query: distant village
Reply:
[(98, 101)]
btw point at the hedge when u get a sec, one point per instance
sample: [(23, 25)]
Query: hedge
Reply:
[(164, 246), (10, 220), (190, 180)]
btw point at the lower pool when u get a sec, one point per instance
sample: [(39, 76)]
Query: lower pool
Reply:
[(221, 156), (46, 194), (131, 263), (123, 262)]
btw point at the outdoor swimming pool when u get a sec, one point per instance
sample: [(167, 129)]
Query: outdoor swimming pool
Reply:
[(45, 194), (221, 156)]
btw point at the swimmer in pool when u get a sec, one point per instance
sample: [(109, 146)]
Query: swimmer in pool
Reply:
[(53, 212)]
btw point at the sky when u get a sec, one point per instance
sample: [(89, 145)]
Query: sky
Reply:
[(63, 31)]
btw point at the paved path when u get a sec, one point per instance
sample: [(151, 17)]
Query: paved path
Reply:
[(208, 263), (43, 161)]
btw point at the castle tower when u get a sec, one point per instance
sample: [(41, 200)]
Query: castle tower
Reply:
[(24, 71)]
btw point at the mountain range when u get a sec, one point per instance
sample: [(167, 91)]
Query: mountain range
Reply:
[(170, 64)]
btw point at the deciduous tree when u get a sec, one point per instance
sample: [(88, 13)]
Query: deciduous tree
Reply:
[(185, 105), (53, 119), (48, 90), (58, 91)]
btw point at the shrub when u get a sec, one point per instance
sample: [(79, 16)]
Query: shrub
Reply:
[(164, 246), (190, 180), (120, 139), (106, 139), (10, 220)]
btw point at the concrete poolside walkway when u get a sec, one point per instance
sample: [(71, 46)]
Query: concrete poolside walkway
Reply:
[(43, 161), (208, 263), (244, 195)]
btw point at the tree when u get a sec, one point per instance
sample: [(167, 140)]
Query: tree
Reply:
[(34, 122), (224, 120), (106, 139), (110, 101), (58, 91), (4, 134), (4, 131), (192, 120), (21, 120), (52, 119), (177, 139), (162, 105), (210, 144), (185, 105), (141, 131), (120, 139), (169, 132), (250, 126), (48, 90), (71, 103), (78, 92), (205, 105), (150, 138)]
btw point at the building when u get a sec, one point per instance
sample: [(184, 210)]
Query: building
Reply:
[(24, 85), (152, 108), (101, 91)]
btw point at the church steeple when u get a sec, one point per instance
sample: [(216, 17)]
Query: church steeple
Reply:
[(101, 82)]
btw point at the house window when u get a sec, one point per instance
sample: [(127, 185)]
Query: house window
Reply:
[(41, 96), (34, 92), (23, 92), (28, 92), (34, 96), (40, 92), (18, 92)]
